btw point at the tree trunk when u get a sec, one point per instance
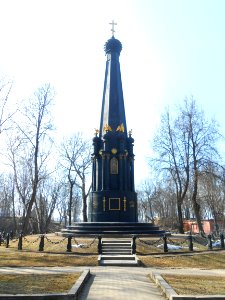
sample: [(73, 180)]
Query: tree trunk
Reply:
[(70, 204), (180, 217), (196, 206), (85, 219)]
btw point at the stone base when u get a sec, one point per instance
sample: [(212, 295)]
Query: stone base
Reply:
[(112, 229)]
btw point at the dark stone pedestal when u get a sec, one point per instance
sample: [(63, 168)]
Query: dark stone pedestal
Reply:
[(113, 229)]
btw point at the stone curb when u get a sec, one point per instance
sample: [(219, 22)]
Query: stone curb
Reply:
[(72, 294), (172, 295)]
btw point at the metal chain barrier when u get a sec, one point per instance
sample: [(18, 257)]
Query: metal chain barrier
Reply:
[(149, 243), (203, 241), (177, 242), (55, 243), (85, 246), (31, 242)]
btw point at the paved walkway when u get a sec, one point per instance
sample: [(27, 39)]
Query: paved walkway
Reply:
[(120, 283), (108, 283)]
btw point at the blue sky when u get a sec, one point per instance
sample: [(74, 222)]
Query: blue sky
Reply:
[(172, 49)]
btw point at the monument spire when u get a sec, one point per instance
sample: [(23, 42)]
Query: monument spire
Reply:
[(113, 111), (113, 197)]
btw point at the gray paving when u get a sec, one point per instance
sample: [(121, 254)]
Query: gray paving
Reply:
[(120, 283), (110, 282)]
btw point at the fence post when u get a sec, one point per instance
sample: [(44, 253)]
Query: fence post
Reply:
[(0, 238), (7, 240), (134, 245), (190, 242), (99, 244), (69, 244), (222, 241), (165, 247), (42, 243), (209, 242), (20, 242)]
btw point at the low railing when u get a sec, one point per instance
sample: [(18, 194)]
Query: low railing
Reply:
[(140, 245)]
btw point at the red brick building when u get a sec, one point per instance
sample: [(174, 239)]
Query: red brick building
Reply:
[(208, 226)]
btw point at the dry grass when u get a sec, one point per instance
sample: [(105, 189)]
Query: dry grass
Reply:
[(37, 283), (196, 285), (143, 248), (54, 243), (211, 260), (12, 258)]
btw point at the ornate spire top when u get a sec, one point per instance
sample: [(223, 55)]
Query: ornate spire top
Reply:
[(113, 24), (113, 45)]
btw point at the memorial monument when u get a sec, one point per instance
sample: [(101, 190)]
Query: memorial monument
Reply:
[(113, 197), (112, 205)]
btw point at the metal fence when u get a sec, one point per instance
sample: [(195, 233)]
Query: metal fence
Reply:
[(140, 245)]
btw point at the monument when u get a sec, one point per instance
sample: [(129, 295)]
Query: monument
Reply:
[(112, 207), (113, 197)]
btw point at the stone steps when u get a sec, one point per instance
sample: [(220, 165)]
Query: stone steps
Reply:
[(117, 252)]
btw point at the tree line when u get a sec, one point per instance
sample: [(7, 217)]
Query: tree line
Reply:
[(44, 178), (187, 163)]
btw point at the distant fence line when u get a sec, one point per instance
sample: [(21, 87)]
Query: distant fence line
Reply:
[(164, 243), (7, 239)]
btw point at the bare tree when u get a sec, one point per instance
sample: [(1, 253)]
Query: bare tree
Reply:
[(31, 147), (76, 161), (5, 112), (204, 135), (184, 145), (146, 197), (45, 203), (172, 145)]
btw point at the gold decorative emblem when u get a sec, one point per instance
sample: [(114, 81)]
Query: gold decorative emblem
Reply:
[(96, 132), (100, 152), (120, 128), (124, 203), (114, 150), (107, 128)]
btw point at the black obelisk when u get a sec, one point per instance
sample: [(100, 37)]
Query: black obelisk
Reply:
[(113, 197)]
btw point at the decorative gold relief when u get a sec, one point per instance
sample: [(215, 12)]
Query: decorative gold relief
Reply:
[(120, 128), (124, 204), (96, 132), (113, 166), (107, 128), (114, 150), (114, 203)]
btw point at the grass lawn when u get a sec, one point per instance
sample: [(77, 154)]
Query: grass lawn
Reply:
[(37, 283), (54, 253), (9, 258), (196, 285), (211, 260)]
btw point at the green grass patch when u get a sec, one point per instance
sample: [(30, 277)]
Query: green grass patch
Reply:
[(37, 283), (196, 285)]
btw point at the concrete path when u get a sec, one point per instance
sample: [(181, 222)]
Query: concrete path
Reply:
[(120, 283), (108, 283)]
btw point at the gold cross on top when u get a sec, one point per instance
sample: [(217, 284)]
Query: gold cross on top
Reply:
[(113, 24)]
